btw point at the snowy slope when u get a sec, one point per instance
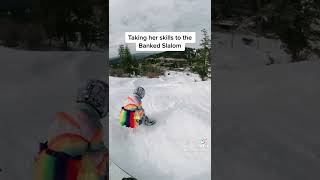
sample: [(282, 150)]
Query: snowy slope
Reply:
[(116, 172), (267, 123), (35, 85), (171, 149), (230, 52), (266, 117)]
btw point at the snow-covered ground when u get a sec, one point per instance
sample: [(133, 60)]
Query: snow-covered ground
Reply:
[(172, 148), (35, 85), (230, 52), (266, 118), (267, 123)]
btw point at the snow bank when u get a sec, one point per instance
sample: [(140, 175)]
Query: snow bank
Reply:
[(170, 149)]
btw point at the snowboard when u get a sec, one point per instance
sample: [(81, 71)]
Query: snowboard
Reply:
[(149, 122)]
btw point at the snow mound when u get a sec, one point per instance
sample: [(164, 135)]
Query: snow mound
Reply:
[(181, 104)]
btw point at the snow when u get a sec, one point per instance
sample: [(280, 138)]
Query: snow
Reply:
[(266, 117), (116, 172), (35, 85), (181, 104), (231, 53), (267, 122)]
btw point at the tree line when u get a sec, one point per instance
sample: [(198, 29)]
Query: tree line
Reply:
[(295, 22), (66, 22)]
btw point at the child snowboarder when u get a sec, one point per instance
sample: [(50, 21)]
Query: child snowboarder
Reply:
[(132, 114), (75, 149)]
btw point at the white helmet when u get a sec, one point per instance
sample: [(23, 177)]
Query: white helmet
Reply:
[(139, 91)]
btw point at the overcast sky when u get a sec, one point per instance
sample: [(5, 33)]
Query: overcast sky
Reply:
[(156, 15)]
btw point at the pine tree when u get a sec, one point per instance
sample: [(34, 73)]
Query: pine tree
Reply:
[(126, 59), (292, 21), (86, 23), (65, 19), (135, 66), (121, 56), (206, 47), (201, 62)]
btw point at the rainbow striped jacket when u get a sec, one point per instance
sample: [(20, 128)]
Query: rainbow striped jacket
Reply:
[(75, 148)]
